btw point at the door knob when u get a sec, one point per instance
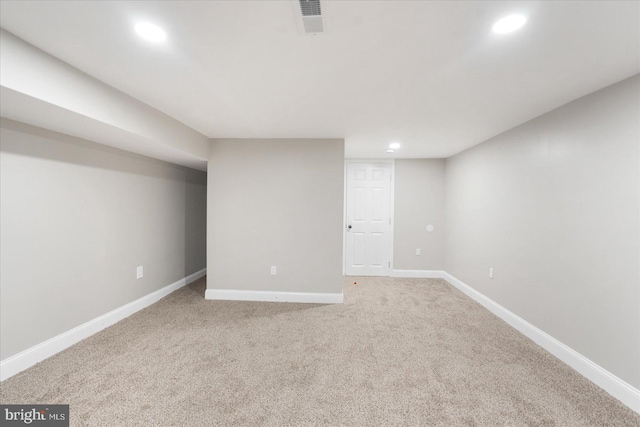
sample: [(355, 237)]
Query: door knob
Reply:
[(349, 226)]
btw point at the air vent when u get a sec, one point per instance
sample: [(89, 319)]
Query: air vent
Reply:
[(310, 7), (311, 16), (312, 24)]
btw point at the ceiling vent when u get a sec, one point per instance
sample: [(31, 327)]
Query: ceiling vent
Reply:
[(311, 14)]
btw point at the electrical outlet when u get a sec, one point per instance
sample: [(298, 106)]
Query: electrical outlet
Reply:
[(490, 272), (418, 251), (139, 272), (273, 270)]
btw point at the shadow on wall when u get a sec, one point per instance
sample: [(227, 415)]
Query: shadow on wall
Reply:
[(56, 147), (195, 222), (114, 159)]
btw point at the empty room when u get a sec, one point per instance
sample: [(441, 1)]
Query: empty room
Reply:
[(319, 212)]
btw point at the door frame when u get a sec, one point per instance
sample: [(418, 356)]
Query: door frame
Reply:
[(392, 212)]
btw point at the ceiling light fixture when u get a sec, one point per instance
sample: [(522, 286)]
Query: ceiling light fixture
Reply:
[(509, 23), (150, 32), (389, 150), (394, 145)]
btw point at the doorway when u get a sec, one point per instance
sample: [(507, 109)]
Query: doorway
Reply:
[(368, 225)]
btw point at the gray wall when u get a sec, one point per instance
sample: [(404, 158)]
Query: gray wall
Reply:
[(418, 202), (553, 206), (275, 202), (77, 218)]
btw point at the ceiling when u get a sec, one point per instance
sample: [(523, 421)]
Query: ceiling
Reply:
[(428, 74)]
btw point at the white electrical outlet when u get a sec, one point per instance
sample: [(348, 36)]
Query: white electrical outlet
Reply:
[(418, 251), (139, 272), (273, 270), (490, 272)]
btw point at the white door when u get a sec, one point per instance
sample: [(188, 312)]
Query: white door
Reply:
[(368, 219)]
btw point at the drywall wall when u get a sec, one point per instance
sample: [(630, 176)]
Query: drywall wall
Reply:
[(419, 202), (275, 202), (77, 218), (553, 206)]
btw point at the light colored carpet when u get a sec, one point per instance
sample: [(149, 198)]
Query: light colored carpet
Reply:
[(397, 352)]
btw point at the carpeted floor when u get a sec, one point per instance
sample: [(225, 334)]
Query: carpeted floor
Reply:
[(397, 352)]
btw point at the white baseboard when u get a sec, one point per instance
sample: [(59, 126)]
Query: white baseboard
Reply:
[(269, 296), (419, 274), (29, 357), (616, 387)]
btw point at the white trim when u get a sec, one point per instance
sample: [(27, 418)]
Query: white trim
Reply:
[(344, 222), (191, 278), (392, 213), (270, 296), (616, 387), (39, 352), (420, 274)]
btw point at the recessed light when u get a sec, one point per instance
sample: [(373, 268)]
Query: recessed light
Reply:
[(150, 32), (394, 145), (389, 150), (509, 23)]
